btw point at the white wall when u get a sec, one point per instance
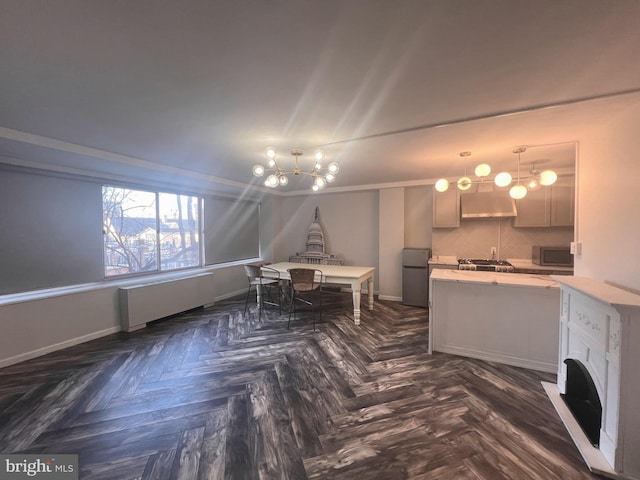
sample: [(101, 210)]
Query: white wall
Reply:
[(349, 221), (418, 216), (608, 201), (391, 242)]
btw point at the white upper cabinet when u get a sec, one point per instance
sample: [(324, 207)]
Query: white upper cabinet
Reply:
[(562, 205), (446, 208), (534, 210), (548, 207)]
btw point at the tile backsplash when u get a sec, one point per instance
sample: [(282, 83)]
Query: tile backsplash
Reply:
[(475, 237)]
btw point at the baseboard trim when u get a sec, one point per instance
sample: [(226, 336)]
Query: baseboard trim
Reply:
[(232, 294), (58, 346), (391, 298)]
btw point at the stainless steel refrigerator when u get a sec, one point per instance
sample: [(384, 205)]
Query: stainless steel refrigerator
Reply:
[(415, 276)]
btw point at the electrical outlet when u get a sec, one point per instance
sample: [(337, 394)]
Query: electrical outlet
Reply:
[(493, 250)]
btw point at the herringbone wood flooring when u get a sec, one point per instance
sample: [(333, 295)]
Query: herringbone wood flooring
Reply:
[(212, 395)]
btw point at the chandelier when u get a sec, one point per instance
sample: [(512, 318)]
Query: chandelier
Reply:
[(502, 179), (278, 176)]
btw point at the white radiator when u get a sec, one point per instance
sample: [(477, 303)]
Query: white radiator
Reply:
[(140, 304)]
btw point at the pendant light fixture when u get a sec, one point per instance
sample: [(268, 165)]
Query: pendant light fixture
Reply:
[(534, 180), (482, 171), (464, 183), (518, 191), (502, 179)]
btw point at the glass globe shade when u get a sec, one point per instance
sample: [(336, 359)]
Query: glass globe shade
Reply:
[(333, 167), (272, 181), (464, 183), (317, 166), (271, 163), (258, 170), (315, 187), (548, 177), (283, 180), (483, 170), (330, 177), (534, 183), (270, 152), (503, 179), (442, 185), (518, 192), (320, 182), (318, 154)]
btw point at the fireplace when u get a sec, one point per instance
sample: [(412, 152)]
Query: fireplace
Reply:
[(583, 400), (598, 385)]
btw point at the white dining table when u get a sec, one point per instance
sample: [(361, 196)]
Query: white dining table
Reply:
[(340, 274)]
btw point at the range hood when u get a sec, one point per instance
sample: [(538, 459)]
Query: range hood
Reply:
[(487, 204)]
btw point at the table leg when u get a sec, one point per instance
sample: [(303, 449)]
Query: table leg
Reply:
[(370, 290), (356, 304)]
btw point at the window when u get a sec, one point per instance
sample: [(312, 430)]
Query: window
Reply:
[(179, 231), (149, 231)]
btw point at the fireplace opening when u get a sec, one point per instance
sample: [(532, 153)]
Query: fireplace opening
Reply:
[(582, 399)]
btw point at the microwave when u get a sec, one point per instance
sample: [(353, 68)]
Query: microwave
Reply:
[(552, 256)]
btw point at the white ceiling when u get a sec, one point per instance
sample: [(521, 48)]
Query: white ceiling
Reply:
[(191, 92)]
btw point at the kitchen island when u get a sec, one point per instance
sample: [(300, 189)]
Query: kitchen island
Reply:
[(503, 317)]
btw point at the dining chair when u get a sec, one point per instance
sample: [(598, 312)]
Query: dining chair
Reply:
[(306, 288), (265, 287)]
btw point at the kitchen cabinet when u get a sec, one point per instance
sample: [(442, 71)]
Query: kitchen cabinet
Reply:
[(499, 317), (534, 210), (548, 207), (446, 208), (562, 205)]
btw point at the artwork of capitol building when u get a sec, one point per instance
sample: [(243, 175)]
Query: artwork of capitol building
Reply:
[(315, 253)]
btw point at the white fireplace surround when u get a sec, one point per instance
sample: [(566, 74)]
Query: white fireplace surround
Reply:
[(600, 327)]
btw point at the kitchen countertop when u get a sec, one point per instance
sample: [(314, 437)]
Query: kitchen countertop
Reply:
[(495, 278), (443, 260), (526, 264)]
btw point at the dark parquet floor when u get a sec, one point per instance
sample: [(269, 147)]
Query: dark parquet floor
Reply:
[(212, 395)]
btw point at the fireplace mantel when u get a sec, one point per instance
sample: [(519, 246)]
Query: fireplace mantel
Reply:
[(600, 327)]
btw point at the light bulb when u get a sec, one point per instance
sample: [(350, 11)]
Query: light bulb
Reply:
[(442, 185), (258, 170), (330, 177), (317, 166), (333, 167), (548, 177), (271, 163), (534, 183), (320, 182), (272, 181), (503, 179), (464, 183), (315, 187), (483, 170), (283, 180), (270, 152), (318, 154), (518, 192)]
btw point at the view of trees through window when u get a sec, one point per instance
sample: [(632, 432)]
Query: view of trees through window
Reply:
[(149, 231)]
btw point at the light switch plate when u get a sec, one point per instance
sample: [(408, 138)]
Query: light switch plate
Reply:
[(576, 248)]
